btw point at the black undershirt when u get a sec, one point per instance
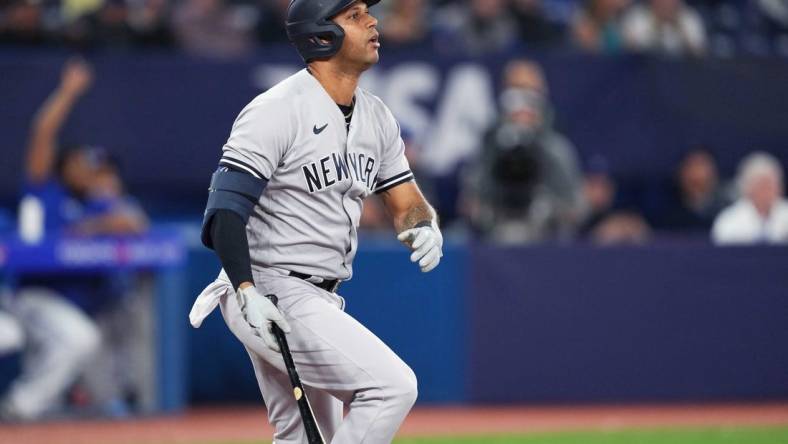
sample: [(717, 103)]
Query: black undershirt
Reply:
[(347, 112)]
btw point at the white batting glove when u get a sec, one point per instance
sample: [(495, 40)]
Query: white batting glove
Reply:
[(260, 313), (426, 243)]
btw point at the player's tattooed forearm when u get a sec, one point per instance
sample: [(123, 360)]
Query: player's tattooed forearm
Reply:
[(421, 214)]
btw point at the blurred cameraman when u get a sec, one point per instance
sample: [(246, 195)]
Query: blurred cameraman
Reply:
[(527, 182)]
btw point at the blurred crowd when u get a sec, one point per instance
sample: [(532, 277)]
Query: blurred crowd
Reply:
[(229, 28), (523, 181)]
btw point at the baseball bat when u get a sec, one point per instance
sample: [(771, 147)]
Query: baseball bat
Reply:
[(313, 434)]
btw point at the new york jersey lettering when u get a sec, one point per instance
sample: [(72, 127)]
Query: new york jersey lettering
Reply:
[(337, 168)]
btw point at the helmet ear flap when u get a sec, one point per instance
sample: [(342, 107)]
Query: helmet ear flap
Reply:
[(310, 29), (319, 40)]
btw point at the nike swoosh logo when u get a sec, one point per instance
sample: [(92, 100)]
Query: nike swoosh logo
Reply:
[(319, 130)]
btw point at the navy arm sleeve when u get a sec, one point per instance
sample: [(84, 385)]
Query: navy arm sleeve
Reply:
[(232, 197), (228, 233)]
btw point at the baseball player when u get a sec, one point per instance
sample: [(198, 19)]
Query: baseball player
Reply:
[(283, 213)]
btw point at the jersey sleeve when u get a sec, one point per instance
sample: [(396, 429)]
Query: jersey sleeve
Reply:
[(261, 134), (394, 168)]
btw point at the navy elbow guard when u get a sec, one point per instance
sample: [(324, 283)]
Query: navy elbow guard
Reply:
[(234, 191)]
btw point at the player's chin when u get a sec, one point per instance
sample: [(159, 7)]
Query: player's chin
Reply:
[(373, 51), (370, 60)]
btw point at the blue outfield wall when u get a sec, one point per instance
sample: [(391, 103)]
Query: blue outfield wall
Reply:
[(662, 323), (554, 324)]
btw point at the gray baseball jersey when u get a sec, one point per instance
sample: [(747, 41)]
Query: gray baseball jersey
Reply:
[(319, 173)]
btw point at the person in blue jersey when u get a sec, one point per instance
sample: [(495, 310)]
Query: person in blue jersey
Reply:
[(80, 194)]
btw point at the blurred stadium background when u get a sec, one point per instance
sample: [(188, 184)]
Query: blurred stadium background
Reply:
[(608, 174)]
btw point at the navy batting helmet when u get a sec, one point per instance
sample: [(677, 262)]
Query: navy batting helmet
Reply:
[(310, 29)]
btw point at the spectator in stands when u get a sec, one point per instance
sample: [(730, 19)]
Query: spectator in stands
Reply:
[(214, 28), (112, 24), (621, 227), (666, 27), (406, 24), (476, 26), (599, 194), (78, 23), (760, 216), (535, 28), (85, 24), (149, 21), (596, 26), (130, 23), (21, 22), (604, 223), (74, 187), (528, 181), (699, 194)]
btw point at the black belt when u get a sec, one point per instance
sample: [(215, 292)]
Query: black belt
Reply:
[(327, 285)]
